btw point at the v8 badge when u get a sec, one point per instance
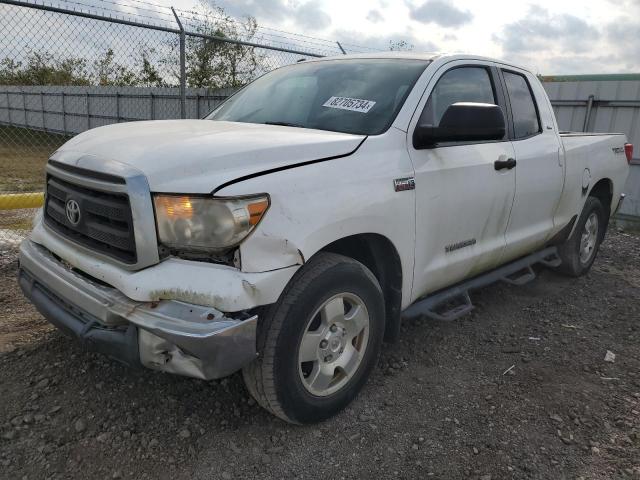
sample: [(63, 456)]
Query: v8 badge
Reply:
[(407, 183)]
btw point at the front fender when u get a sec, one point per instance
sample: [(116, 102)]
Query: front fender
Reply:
[(315, 205)]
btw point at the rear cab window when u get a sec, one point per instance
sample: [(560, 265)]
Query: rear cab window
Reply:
[(526, 120)]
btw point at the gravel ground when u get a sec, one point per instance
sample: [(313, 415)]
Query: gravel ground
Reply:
[(15, 225), (440, 405)]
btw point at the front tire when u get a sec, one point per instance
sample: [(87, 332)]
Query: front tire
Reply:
[(319, 343), (579, 252)]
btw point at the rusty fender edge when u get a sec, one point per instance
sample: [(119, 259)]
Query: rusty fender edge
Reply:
[(173, 336)]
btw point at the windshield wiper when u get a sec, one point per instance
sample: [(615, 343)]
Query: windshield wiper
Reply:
[(285, 124)]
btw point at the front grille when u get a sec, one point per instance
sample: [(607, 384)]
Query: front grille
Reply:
[(105, 222)]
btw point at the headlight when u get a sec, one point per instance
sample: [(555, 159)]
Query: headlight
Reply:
[(207, 223)]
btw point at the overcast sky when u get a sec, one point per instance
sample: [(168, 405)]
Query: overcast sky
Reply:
[(548, 36)]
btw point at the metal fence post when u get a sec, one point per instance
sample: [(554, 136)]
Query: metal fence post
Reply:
[(44, 126), (8, 106), (24, 107), (64, 115), (587, 116), (88, 112), (183, 67)]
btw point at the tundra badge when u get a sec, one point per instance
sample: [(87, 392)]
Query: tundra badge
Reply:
[(459, 245)]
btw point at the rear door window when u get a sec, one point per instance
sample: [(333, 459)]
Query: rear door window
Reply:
[(523, 107)]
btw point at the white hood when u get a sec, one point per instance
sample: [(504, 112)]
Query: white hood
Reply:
[(197, 156)]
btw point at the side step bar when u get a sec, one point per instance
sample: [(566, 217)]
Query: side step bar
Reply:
[(516, 273)]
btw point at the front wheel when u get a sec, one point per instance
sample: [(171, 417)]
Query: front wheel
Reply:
[(579, 251), (319, 342)]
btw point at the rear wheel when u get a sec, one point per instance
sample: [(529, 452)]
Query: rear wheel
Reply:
[(579, 251), (319, 342)]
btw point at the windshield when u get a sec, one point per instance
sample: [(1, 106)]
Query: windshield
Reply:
[(351, 96)]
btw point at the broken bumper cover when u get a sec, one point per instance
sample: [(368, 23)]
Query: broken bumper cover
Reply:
[(169, 335)]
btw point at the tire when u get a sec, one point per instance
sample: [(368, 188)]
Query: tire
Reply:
[(575, 260), (296, 390)]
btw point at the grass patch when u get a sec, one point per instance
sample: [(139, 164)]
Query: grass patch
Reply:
[(18, 224), (23, 156)]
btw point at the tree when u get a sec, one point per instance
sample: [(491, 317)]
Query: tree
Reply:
[(214, 59), (42, 68), (149, 75), (400, 46), (109, 72)]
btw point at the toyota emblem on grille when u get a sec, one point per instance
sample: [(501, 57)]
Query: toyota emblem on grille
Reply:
[(73, 212)]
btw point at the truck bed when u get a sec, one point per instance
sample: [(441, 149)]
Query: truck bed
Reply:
[(590, 156)]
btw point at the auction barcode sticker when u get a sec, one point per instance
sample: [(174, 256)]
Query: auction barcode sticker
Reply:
[(353, 104)]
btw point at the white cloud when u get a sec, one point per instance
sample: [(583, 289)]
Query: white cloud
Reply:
[(307, 15), (547, 36), (560, 42), (441, 13), (311, 16), (540, 30), (375, 16)]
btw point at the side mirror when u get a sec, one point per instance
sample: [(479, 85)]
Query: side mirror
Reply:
[(463, 122)]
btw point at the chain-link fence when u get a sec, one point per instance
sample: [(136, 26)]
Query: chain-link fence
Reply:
[(69, 67)]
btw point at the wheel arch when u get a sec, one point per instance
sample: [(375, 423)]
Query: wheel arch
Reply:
[(379, 255), (603, 191)]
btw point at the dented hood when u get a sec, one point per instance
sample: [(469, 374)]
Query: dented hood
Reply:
[(198, 156)]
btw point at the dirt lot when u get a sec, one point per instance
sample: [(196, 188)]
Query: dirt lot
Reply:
[(440, 405)]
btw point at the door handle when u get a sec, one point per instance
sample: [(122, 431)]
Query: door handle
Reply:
[(502, 164)]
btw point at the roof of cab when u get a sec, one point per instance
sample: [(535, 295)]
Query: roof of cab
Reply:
[(429, 56), (385, 54)]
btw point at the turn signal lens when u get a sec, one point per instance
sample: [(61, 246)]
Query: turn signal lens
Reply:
[(174, 207), (256, 210)]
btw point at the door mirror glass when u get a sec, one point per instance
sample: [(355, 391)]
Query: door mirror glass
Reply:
[(463, 122)]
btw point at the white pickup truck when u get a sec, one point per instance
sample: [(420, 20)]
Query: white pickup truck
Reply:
[(285, 234)]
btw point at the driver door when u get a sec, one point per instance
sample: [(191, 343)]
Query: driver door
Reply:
[(462, 202)]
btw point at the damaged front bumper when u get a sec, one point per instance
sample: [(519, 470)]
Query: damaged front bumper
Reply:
[(168, 335)]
